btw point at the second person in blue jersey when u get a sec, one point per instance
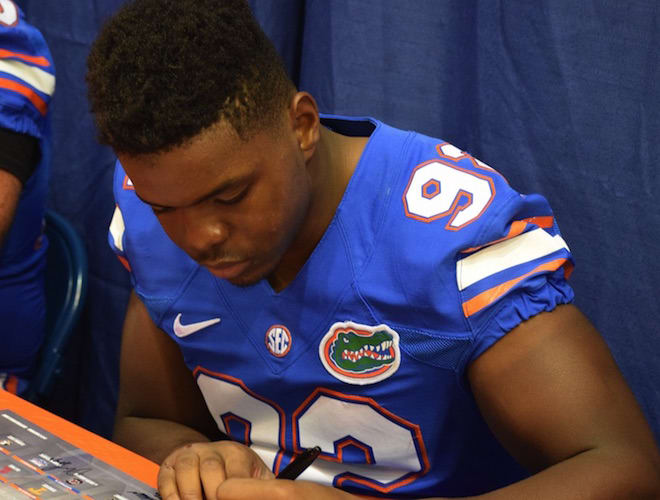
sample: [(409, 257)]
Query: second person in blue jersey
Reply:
[(27, 84), (305, 280)]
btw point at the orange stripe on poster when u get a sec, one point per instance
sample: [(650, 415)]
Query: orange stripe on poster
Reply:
[(132, 464), (28, 464), (24, 492), (37, 101), (489, 296), (39, 61)]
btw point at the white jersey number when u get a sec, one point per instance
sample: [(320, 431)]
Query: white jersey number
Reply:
[(437, 190), (8, 13), (231, 405), (349, 429)]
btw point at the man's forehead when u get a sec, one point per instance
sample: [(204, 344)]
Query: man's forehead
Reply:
[(172, 180)]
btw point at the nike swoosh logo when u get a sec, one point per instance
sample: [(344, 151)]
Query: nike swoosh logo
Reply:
[(181, 330)]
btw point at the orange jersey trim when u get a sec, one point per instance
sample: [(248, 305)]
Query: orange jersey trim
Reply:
[(38, 60), (489, 296), (125, 263), (517, 228), (127, 184), (34, 98)]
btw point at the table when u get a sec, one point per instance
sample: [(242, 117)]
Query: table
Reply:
[(43, 456)]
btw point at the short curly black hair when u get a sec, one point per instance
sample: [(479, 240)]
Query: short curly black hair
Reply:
[(162, 71)]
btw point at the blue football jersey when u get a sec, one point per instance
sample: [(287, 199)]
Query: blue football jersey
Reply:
[(27, 83), (431, 257)]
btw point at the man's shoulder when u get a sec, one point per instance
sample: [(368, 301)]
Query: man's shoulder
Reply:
[(427, 196), (455, 235)]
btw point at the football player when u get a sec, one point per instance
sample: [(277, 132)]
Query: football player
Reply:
[(305, 280), (27, 83)]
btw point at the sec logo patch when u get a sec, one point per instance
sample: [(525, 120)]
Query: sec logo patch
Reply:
[(278, 340), (360, 354)]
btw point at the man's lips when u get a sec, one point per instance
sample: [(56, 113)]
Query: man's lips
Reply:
[(228, 270)]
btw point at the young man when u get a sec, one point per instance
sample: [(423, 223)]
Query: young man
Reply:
[(27, 83), (334, 282)]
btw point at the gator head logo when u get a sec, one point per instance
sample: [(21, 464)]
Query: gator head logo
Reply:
[(360, 354)]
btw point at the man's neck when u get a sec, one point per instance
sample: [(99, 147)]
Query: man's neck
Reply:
[(331, 169)]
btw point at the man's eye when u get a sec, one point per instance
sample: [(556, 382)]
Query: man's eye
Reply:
[(160, 210), (232, 198)]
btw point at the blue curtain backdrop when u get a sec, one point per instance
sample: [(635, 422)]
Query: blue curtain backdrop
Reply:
[(560, 96)]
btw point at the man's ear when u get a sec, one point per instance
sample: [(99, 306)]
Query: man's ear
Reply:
[(306, 123)]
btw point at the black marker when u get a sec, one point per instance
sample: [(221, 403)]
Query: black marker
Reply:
[(299, 463)]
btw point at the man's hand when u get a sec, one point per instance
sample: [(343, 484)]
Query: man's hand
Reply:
[(226, 470), (200, 468)]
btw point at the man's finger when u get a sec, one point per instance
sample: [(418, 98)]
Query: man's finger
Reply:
[(241, 464), (167, 483), (186, 471), (212, 472), (244, 462)]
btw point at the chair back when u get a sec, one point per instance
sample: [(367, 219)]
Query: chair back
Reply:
[(66, 287)]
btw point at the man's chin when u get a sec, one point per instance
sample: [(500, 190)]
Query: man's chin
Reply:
[(243, 277), (244, 282)]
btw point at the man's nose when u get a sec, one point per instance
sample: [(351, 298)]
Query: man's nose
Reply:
[(203, 234)]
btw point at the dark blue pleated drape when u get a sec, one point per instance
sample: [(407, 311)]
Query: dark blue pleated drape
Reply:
[(561, 96)]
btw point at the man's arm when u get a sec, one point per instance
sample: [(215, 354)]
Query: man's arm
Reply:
[(160, 406), (554, 397), (19, 156), (10, 191)]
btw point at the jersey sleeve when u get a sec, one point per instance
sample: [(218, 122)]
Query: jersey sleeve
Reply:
[(128, 208), (27, 74), (116, 234), (464, 258), (518, 268), (158, 268)]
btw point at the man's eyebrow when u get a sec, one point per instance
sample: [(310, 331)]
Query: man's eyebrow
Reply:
[(219, 189)]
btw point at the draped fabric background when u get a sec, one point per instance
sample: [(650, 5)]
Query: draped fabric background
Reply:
[(561, 96)]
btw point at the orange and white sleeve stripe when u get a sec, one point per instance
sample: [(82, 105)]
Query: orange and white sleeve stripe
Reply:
[(28, 76), (491, 272)]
